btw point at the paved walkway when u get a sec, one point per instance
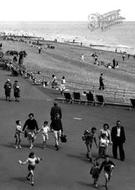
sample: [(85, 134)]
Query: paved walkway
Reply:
[(67, 168)]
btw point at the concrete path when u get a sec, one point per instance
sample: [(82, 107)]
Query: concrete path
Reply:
[(67, 168)]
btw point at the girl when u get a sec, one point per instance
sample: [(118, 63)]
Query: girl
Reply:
[(32, 160)]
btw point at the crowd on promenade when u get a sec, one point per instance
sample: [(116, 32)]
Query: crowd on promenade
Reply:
[(114, 137), (103, 138)]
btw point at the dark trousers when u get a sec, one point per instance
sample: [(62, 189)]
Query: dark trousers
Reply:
[(101, 86), (119, 145)]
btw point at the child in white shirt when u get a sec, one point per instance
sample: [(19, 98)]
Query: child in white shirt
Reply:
[(32, 160), (17, 135), (45, 129), (103, 144)]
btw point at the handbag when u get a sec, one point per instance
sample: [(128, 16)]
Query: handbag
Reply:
[(63, 138)]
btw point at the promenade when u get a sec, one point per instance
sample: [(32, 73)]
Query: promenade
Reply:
[(67, 168)]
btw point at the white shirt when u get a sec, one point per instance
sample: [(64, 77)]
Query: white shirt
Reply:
[(104, 142), (45, 129), (19, 128), (118, 132), (32, 161)]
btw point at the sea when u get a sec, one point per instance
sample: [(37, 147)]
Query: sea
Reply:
[(120, 37)]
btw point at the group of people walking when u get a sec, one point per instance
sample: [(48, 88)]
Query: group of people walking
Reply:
[(8, 88), (115, 137), (30, 128)]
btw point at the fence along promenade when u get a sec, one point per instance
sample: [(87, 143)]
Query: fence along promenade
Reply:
[(111, 94)]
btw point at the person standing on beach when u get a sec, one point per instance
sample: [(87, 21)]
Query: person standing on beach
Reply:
[(101, 82), (8, 87), (118, 139)]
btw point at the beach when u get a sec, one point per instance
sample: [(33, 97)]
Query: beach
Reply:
[(65, 60)]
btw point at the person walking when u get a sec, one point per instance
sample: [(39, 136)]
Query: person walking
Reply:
[(8, 87), (118, 139), (101, 82), (16, 88), (30, 129), (89, 137), (107, 165), (57, 129), (32, 160), (55, 110)]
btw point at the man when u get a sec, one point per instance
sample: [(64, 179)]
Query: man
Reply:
[(8, 87), (30, 128), (54, 111), (101, 82), (56, 127), (118, 139)]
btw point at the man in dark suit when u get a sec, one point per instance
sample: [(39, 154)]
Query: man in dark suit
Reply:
[(118, 139), (55, 110)]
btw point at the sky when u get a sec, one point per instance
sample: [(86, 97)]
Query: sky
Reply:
[(62, 10)]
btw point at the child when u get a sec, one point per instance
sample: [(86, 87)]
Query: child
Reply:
[(18, 134), (103, 144), (45, 129), (32, 160), (88, 138), (108, 166), (105, 130), (94, 171)]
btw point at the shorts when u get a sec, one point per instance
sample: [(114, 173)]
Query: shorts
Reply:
[(31, 167)]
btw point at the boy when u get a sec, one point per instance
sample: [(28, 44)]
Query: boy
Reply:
[(18, 134), (103, 144), (32, 160), (45, 129), (108, 166), (94, 171), (88, 138)]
